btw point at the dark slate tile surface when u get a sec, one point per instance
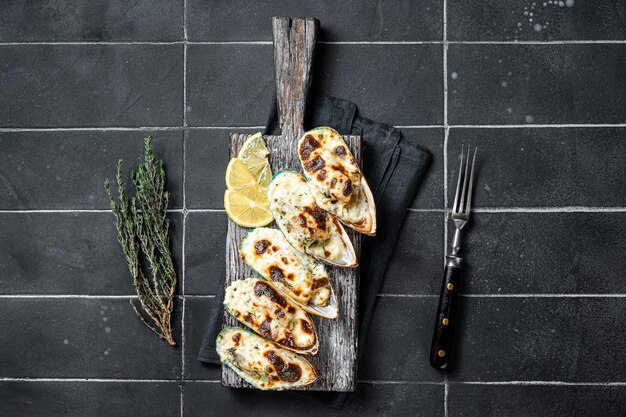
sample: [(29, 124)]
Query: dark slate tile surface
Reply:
[(561, 332), (202, 399), (398, 344), (205, 248), (68, 253), (91, 85), (66, 169), (541, 339), (410, 92), (540, 84), (553, 253), (100, 20), (197, 311), (205, 162), (82, 338), (523, 401), (429, 195), (400, 20), (416, 264), (223, 89), (96, 399), (529, 167), (229, 85), (519, 20)]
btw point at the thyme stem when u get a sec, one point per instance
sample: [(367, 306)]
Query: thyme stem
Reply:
[(142, 229)]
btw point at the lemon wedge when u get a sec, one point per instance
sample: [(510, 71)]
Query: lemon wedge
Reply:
[(245, 211), (253, 154)]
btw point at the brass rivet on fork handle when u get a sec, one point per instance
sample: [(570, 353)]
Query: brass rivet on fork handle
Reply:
[(443, 334)]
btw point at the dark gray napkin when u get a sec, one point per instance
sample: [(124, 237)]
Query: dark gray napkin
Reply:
[(394, 169)]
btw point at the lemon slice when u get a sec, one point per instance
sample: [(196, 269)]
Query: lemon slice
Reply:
[(253, 154), (245, 211), (238, 178)]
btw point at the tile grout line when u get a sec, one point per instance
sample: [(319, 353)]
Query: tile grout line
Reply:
[(544, 295), (425, 210), (445, 167), (184, 87), (199, 296), (561, 42), (90, 43), (69, 296), (446, 389), (122, 380), (182, 358), (98, 296), (418, 126), (445, 125), (185, 37), (392, 295), (539, 126), (381, 295), (445, 64), (89, 129), (386, 382), (226, 127), (205, 210), (60, 211), (182, 319), (369, 382), (380, 42), (231, 43), (544, 383), (564, 209), (434, 42), (555, 209), (169, 128)]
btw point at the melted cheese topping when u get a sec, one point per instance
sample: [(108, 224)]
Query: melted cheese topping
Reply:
[(259, 306), (261, 363), (333, 174), (268, 252), (305, 225)]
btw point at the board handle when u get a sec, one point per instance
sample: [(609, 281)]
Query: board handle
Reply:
[(294, 42)]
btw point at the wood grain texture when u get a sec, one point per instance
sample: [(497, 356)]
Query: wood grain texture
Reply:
[(336, 359), (294, 43)]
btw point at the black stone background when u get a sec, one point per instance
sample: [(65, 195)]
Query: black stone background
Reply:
[(542, 331)]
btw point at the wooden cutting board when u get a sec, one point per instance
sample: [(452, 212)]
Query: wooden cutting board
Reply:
[(294, 42)]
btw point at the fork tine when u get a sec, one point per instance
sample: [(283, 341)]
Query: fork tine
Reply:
[(456, 207), (465, 179), (471, 183)]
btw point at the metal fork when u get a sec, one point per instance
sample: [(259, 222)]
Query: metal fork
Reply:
[(443, 335)]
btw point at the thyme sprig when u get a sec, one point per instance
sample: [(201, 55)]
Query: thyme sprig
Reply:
[(142, 230)]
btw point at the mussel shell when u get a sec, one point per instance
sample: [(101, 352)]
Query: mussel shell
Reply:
[(291, 199), (299, 262), (258, 305), (262, 363), (325, 156)]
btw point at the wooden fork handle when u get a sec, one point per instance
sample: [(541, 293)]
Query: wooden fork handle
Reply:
[(294, 43), (443, 336)]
